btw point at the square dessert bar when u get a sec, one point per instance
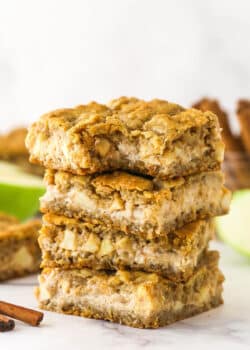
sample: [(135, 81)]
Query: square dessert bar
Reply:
[(68, 243), (12, 145), (134, 204), (155, 138), (13, 149), (19, 250), (136, 299)]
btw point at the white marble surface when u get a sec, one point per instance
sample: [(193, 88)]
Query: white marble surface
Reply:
[(62, 53), (227, 327)]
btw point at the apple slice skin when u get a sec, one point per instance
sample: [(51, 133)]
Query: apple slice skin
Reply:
[(22, 202), (234, 228)]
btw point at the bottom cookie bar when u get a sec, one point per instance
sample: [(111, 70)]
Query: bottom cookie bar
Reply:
[(136, 299), (19, 250)]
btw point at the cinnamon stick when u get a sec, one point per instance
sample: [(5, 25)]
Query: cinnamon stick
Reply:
[(237, 169), (243, 113), (232, 143), (21, 313), (6, 324)]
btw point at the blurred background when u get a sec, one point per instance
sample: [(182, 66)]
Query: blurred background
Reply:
[(63, 53)]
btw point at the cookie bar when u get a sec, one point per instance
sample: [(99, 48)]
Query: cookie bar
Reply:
[(155, 138), (135, 299), (7, 220), (135, 204), (19, 250), (13, 149), (68, 243)]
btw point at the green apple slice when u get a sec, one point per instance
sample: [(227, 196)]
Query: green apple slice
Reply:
[(234, 228), (19, 191)]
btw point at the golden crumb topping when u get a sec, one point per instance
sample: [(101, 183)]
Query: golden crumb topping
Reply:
[(125, 115)]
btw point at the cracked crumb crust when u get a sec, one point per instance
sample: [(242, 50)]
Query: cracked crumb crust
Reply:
[(156, 138)]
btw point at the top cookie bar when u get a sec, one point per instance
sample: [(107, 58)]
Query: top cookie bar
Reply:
[(155, 138)]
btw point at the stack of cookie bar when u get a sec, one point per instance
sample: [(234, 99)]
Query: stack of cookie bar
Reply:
[(131, 190)]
